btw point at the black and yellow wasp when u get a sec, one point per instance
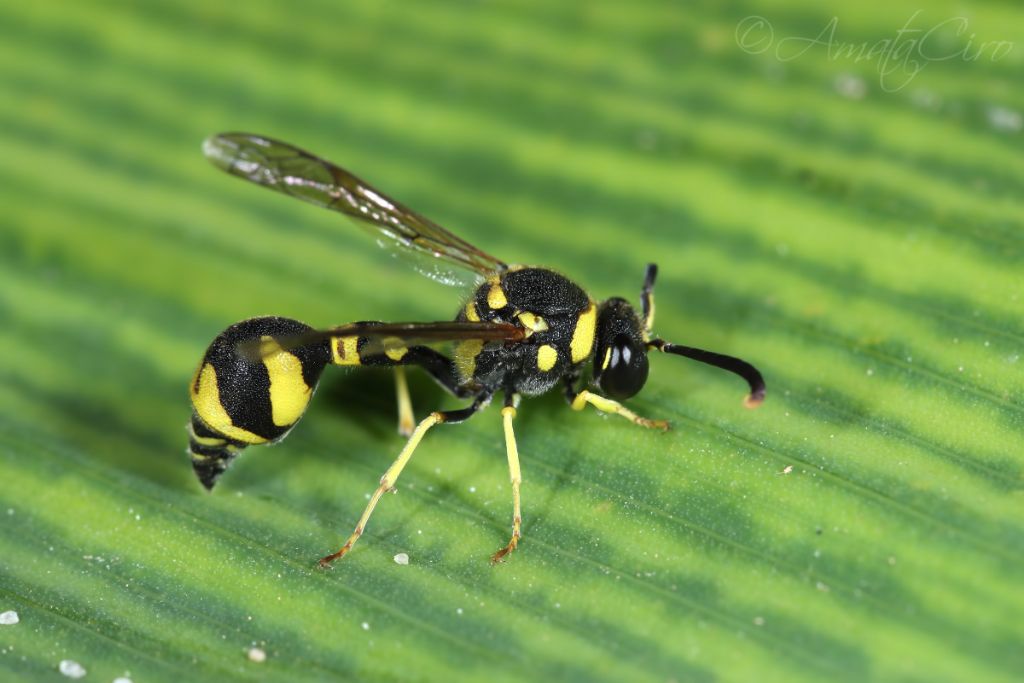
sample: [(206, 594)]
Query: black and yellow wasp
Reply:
[(522, 331)]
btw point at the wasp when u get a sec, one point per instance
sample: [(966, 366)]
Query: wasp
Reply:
[(522, 331)]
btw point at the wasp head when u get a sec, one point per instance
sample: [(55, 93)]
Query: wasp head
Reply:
[(620, 359)]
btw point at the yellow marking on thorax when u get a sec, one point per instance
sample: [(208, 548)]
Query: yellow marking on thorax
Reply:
[(206, 401), (465, 357), (289, 393), (471, 314), (607, 358), (583, 336), (546, 357), (533, 323), (344, 351), (496, 297)]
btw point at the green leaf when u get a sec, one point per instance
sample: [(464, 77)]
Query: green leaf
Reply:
[(860, 242)]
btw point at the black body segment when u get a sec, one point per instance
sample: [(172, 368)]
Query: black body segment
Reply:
[(437, 365), (256, 400), (211, 453), (239, 400), (558, 320)]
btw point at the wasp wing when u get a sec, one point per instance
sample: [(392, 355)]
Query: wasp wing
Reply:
[(295, 172), (385, 336)]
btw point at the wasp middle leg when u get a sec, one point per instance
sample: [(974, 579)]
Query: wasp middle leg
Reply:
[(508, 413)]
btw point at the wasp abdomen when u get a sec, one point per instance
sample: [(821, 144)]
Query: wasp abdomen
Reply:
[(240, 400)]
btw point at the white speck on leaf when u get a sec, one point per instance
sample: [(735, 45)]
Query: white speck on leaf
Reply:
[(851, 87), (1005, 120), (257, 655), (9, 618), (366, 626), (402, 558), (122, 679), (71, 668)]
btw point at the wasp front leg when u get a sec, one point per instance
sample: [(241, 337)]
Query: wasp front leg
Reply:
[(579, 400)]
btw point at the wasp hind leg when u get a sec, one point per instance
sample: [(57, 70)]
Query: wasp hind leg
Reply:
[(508, 413), (387, 482)]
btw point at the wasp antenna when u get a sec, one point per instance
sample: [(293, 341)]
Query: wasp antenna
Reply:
[(647, 297), (719, 360)]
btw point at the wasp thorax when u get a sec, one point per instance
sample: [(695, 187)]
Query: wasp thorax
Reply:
[(620, 361)]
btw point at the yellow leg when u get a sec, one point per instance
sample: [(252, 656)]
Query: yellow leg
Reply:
[(507, 415), (609, 406), (406, 420), (386, 482)]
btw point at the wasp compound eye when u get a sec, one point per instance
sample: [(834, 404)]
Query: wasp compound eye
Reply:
[(624, 372)]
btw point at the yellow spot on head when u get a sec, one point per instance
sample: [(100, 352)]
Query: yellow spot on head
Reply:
[(496, 297), (546, 357), (471, 314), (583, 336), (396, 353), (345, 351), (206, 401), (289, 393)]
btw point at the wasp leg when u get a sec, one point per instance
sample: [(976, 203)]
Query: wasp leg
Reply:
[(508, 413), (406, 420), (387, 482), (579, 400)]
